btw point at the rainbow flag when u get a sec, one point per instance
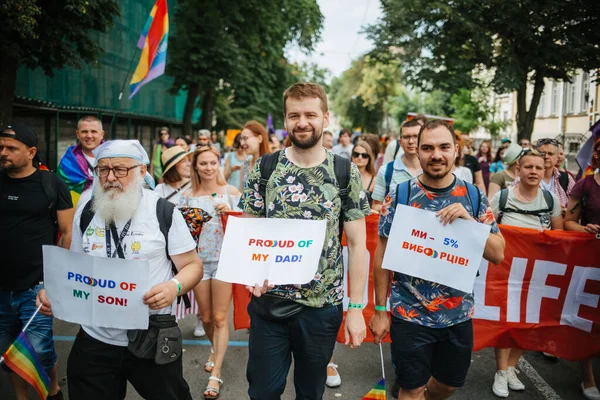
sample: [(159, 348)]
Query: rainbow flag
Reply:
[(377, 393), (74, 171), (22, 360), (153, 44)]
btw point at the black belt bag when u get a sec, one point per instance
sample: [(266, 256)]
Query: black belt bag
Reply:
[(161, 342), (275, 308)]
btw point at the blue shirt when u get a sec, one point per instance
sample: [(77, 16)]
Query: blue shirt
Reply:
[(399, 175), (418, 300)]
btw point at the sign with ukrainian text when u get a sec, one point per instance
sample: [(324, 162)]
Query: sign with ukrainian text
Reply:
[(420, 246), (96, 291), (282, 251)]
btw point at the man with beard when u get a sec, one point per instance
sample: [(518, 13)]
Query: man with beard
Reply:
[(125, 225), (431, 330), (29, 218), (307, 172)]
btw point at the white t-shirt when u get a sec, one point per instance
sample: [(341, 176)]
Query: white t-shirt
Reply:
[(164, 190), (91, 161), (344, 151), (145, 236), (523, 220), (463, 173)]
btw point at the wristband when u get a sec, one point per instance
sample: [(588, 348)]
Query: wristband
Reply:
[(355, 305), (380, 308), (178, 285)]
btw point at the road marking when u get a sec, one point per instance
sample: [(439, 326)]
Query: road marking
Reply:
[(539, 382), (189, 342)]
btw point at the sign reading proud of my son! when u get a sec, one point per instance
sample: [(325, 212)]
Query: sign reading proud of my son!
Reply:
[(284, 251)]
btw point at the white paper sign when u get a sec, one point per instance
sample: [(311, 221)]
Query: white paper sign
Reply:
[(420, 246), (284, 251), (96, 291)]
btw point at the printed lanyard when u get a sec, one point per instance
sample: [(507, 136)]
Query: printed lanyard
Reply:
[(112, 229)]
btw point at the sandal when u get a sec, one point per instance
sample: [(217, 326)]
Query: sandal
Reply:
[(209, 365), (213, 389)]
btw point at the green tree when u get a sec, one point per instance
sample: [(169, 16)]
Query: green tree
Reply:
[(472, 111), (520, 41), (48, 35), (233, 51)]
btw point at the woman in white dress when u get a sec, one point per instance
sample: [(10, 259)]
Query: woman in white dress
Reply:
[(211, 193)]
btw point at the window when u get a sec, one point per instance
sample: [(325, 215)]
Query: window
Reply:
[(585, 91), (572, 94), (541, 110), (555, 100)]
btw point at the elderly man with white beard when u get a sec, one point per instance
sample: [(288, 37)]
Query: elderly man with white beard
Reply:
[(124, 224)]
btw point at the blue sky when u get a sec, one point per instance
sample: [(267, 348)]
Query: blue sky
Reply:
[(340, 40)]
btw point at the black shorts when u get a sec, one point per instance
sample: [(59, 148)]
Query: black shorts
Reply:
[(422, 352)]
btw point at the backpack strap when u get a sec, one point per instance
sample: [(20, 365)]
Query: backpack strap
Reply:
[(502, 203), (389, 173), (164, 214), (563, 180), (268, 163), (86, 216), (48, 181), (403, 193), (549, 201), (397, 149), (473, 192), (342, 168)]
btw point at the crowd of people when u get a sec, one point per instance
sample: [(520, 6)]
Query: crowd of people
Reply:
[(105, 191)]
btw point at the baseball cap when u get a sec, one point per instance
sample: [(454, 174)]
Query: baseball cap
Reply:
[(512, 153), (505, 140), (22, 133)]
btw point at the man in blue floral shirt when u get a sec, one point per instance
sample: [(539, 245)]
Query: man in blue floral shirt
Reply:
[(304, 185), (431, 330)]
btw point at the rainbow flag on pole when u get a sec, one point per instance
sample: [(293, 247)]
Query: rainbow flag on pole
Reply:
[(153, 44), (22, 360), (377, 393)]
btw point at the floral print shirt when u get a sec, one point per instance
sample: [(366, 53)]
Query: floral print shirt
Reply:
[(309, 193), (418, 300)]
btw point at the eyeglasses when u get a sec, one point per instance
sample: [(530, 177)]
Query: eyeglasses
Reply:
[(409, 138), (356, 154), (118, 172), (164, 134)]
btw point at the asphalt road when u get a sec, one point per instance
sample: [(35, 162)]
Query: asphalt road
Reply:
[(360, 370)]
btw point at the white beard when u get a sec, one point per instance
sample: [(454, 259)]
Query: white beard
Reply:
[(113, 206)]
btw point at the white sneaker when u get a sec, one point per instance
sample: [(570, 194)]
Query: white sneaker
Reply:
[(500, 386), (199, 331), (591, 393), (513, 382), (335, 380)]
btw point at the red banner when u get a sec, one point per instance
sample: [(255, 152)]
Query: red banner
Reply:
[(543, 297)]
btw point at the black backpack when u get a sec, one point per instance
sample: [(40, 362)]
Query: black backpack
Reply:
[(164, 213), (538, 213), (563, 180), (341, 167)]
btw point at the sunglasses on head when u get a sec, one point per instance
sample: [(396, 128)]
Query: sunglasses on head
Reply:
[(356, 154), (532, 152), (542, 142)]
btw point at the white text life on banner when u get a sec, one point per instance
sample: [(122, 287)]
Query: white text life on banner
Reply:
[(420, 246), (284, 251), (96, 291)]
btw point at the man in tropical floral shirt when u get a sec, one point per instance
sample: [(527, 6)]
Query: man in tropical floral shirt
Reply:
[(304, 186), (431, 330)]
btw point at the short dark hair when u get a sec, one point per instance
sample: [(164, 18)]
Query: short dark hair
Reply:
[(188, 141), (410, 124), (436, 123), (172, 176), (345, 132), (326, 132)]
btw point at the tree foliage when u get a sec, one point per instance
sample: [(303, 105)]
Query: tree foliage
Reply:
[(48, 35), (442, 43), (232, 52)]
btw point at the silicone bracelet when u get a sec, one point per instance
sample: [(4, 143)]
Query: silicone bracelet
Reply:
[(355, 305), (178, 285), (380, 308)]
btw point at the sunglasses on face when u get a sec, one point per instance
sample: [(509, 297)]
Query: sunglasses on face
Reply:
[(356, 154)]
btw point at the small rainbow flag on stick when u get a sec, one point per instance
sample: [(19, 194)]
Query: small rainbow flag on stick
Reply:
[(378, 392), (22, 360), (153, 43)]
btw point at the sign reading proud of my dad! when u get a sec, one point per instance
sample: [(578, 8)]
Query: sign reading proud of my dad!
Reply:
[(420, 246), (284, 251), (96, 291)]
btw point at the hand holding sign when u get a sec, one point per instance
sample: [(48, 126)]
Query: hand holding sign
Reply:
[(420, 246), (270, 251)]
